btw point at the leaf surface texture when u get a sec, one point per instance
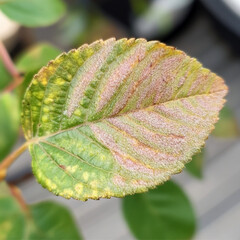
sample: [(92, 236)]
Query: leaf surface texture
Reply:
[(118, 117)]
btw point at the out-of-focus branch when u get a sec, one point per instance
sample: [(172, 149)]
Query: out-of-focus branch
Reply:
[(18, 196), (8, 63), (10, 159)]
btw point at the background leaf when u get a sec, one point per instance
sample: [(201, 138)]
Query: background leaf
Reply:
[(162, 213), (5, 77), (33, 13), (9, 123), (36, 57), (31, 61), (45, 220), (118, 117), (195, 167), (227, 125)]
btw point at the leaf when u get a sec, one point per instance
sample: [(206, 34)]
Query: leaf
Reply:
[(118, 117), (195, 166), (45, 220), (31, 61), (21, 89), (162, 213), (5, 77), (33, 13), (36, 57), (9, 123), (227, 126)]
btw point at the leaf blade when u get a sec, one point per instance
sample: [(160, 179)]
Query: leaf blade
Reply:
[(45, 220), (227, 126), (154, 215), (195, 167), (33, 13), (9, 123), (118, 117)]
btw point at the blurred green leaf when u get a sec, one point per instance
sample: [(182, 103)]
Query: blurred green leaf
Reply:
[(33, 13), (139, 6), (195, 166), (45, 220), (227, 125), (161, 213), (31, 61), (36, 57), (9, 123), (5, 77), (82, 26)]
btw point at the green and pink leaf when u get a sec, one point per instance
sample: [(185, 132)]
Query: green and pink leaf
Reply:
[(118, 117)]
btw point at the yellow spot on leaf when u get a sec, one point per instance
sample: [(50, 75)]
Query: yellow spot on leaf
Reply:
[(50, 184), (59, 81), (94, 183), (46, 109), (45, 118), (48, 101), (77, 112), (94, 194), (44, 81), (72, 169), (67, 193), (108, 192), (85, 176), (34, 82), (79, 188)]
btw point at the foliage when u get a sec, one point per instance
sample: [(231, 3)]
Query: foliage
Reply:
[(118, 117), (36, 57), (227, 125), (45, 220), (5, 76), (195, 166), (9, 123), (162, 213), (31, 61), (33, 13), (28, 62)]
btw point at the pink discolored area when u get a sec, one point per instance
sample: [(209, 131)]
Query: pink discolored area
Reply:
[(146, 143), (146, 72), (89, 69), (119, 74), (151, 137), (169, 69), (158, 122)]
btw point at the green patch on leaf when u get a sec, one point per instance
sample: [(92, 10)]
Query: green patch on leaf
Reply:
[(45, 220), (163, 213), (33, 13), (227, 125), (118, 117), (195, 167), (9, 123)]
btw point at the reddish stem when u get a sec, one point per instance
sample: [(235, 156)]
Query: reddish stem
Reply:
[(18, 196), (8, 63), (6, 163)]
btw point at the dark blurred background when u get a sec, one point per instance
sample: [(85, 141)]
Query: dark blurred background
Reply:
[(208, 30)]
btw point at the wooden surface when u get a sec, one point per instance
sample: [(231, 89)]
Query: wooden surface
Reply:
[(216, 197)]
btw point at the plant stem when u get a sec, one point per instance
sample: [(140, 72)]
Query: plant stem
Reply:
[(8, 63), (11, 158), (18, 196)]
